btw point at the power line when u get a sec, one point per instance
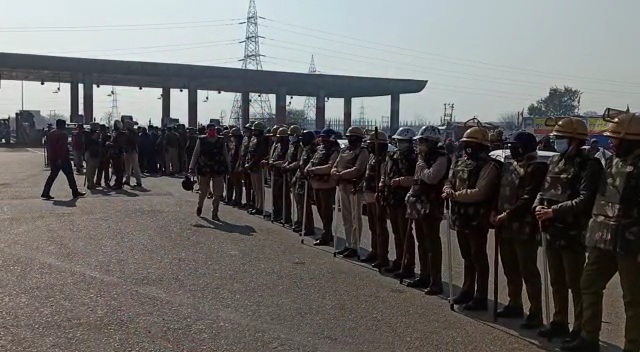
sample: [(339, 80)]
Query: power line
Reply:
[(433, 54), (126, 25), (141, 47), (106, 29)]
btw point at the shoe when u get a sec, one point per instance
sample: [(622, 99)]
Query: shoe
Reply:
[(532, 322), (198, 211), (581, 345), (258, 212), (434, 290), (380, 264), (210, 195), (343, 251), (92, 187), (370, 258), (476, 305), (511, 312), (322, 242), (215, 217), (573, 336), (392, 269), (98, 184), (421, 282), (296, 229), (351, 253), (78, 194), (47, 197), (405, 274), (463, 298), (138, 185), (554, 330)]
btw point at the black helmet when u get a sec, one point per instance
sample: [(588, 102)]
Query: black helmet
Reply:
[(522, 143), (307, 138), (188, 183)]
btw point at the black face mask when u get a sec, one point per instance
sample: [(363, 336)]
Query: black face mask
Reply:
[(516, 152), (473, 151), (354, 141)]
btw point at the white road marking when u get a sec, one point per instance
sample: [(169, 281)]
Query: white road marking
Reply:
[(35, 151)]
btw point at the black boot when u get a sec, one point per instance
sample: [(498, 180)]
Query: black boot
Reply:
[(511, 312), (462, 298), (581, 345), (379, 264), (532, 322), (351, 253), (198, 211), (573, 336), (78, 194), (394, 268), (405, 274), (554, 330), (477, 304), (421, 282), (370, 258), (343, 251)]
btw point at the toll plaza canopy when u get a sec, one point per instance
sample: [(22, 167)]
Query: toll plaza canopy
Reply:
[(27, 67)]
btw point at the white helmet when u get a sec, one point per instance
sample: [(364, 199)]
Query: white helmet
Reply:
[(404, 133), (430, 133)]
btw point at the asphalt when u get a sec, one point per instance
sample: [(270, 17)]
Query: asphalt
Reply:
[(138, 271)]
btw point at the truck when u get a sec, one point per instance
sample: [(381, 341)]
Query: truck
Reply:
[(5, 131)]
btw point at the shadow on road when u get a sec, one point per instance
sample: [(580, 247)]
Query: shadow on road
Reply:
[(71, 203), (244, 230)]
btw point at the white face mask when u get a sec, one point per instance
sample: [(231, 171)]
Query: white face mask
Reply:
[(292, 139), (561, 145)]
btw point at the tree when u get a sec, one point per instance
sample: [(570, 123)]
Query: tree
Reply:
[(509, 121), (107, 118), (559, 102), (591, 113), (296, 116)]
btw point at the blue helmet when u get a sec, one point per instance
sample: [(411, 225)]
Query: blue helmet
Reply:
[(328, 132)]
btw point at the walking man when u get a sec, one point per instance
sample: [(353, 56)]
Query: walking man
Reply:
[(58, 153)]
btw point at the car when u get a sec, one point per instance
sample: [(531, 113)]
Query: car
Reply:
[(505, 155)]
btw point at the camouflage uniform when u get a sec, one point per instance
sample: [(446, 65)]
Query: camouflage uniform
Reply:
[(569, 191)]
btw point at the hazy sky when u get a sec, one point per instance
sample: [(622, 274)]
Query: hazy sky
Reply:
[(488, 57)]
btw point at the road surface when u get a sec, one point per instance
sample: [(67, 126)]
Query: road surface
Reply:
[(138, 271)]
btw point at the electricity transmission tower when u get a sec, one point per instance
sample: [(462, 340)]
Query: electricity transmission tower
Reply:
[(361, 119), (258, 103), (310, 102), (114, 114)]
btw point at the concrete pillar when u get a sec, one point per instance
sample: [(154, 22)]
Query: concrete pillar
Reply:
[(347, 113), (87, 100), (192, 107), (394, 118), (281, 107), (320, 118), (245, 108), (166, 105), (75, 100)]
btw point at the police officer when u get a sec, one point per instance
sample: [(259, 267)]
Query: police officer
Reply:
[(281, 206), (131, 164), (426, 206), (472, 190), (324, 186), (105, 158), (116, 151), (378, 146), (348, 171), (517, 228), (291, 165), (397, 178), (612, 238), (211, 163), (302, 184), (258, 151), (92, 154), (249, 196), (564, 208), (234, 182)]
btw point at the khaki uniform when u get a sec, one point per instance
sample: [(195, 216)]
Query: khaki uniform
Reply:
[(258, 151), (302, 185), (324, 186), (281, 204), (246, 175), (475, 183), (520, 184), (426, 207), (614, 247), (350, 168), (399, 165), (569, 191), (234, 182), (291, 166)]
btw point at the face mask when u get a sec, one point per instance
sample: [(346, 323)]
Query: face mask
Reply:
[(561, 145), (405, 145), (292, 139), (354, 141), (516, 153)]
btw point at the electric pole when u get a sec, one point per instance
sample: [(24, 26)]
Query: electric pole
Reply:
[(259, 103), (447, 116), (310, 102)]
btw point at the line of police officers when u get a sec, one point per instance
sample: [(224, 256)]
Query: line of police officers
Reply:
[(579, 207)]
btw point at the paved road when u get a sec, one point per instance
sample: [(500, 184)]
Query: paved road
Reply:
[(137, 270)]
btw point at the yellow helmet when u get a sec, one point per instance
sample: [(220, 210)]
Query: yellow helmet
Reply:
[(282, 132), (295, 130), (623, 126), (381, 138), (477, 135), (355, 131), (572, 127)]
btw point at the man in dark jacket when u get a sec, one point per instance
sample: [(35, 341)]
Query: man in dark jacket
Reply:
[(58, 152)]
